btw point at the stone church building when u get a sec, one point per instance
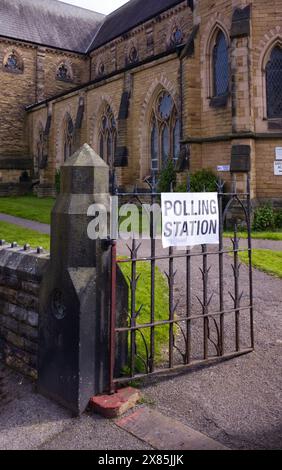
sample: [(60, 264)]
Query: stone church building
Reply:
[(155, 80)]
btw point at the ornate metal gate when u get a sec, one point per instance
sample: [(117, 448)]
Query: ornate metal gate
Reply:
[(209, 296)]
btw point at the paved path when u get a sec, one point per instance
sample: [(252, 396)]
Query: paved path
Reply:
[(37, 226)]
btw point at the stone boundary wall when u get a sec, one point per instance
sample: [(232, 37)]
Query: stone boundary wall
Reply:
[(21, 273)]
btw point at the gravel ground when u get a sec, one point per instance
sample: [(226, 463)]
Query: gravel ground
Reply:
[(237, 402)]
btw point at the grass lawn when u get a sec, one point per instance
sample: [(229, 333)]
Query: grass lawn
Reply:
[(266, 260), (161, 309), (277, 236), (28, 207), (14, 233)]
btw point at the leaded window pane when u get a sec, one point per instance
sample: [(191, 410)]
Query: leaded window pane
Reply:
[(165, 132), (220, 66), (108, 135), (154, 146), (165, 106), (176, 141), (274, 84), (165, 145), (109, 148), (102, 146)]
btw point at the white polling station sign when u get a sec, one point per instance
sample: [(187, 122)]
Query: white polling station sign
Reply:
[(190, 219)]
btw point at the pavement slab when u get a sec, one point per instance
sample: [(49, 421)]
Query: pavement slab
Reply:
[(164, 433)]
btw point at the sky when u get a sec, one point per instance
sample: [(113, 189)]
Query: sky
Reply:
[(102, 6)]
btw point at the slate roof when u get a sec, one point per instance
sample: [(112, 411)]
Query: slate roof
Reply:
[(130, 15), (50, 23)]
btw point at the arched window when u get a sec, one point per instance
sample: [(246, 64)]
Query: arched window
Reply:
[(64, 73), (100, 70), (176, 36), (220, 65), (274, 84), (13, 63), (68, 137), (165, 132), (107, 135), (133, 55)]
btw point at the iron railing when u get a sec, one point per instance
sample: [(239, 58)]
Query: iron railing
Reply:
[(211, 321)]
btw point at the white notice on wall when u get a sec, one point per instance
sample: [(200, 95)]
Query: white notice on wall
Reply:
[(190, 219), (278, 168), (223, 168), (278, 153)]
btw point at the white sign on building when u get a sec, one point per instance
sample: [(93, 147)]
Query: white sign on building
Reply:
[(278, 168), (278, 153), (190, 219)]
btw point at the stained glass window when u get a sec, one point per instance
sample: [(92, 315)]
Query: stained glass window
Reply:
[(165, 145), (220, 66), (176, 37), (63, 73), (176, 141), (12, 63), (108, 135), (274, 84), (154, 145), (68, 137), (165, 132)]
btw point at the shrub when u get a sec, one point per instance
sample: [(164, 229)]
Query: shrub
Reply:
[(201, 181), (264, 218), (58, 181), (278, 219), (167, 178)]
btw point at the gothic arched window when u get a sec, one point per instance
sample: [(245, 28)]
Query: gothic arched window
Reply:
[(220, 65), (68, 137), (13, 63), (274, 84), (176, 36), (64, 73), (133, 55), (165, 132), (107, 136), (100, 69)]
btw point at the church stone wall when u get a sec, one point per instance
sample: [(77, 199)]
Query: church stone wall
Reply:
[(37, 81), (149, 39), (210, 131)]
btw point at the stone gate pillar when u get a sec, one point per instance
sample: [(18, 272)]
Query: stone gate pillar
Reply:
[(75, 294)]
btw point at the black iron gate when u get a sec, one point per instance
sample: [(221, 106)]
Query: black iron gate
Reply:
[(209, 306)]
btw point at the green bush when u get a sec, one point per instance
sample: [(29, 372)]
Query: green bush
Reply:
[(167, 178), (58, 181), (264, 218), (201, 181), (278, 219)]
